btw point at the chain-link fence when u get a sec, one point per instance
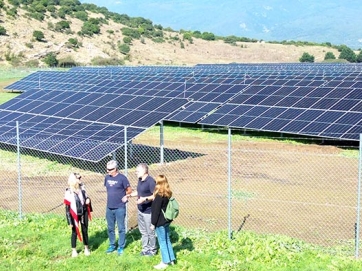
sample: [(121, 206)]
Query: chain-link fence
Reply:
[(222, 180)]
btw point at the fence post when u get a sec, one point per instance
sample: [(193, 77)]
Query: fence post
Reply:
[(161, 143), (357, 226), (19, 169), (229, 183), (125, 172)]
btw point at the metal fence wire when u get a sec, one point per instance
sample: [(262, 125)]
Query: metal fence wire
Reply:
[(221, 180)]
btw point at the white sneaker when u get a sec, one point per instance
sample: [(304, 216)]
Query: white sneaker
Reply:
[(74, 253), (161, 266), (86, 252)]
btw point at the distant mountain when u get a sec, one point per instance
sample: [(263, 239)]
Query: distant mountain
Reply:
[(335, 21)]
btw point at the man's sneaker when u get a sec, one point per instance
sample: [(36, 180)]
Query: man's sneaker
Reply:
[(111, 249), (74, 253), (120, 251), (147, 253), (161, 266)]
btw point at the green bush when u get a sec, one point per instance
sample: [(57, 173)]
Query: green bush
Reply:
[(101, 61), (62, 25), (124, 48), (51, 60), (329, 55), (127, 40), (38, 35), (2, 30), (306, 57), (133, 33)]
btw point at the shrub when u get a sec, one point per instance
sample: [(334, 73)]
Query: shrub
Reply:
[(127, 40), (2, 31), (62, 25), (67, 62), (29, 45), (101, 61), (32, 63), (38, 35), (51, 60), (124, 48), (306, 57), (329, 55)]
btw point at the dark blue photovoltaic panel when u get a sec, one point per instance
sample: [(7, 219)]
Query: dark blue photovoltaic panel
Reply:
[(319, 100)]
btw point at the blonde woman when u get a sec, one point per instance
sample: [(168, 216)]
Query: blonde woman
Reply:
[(161, 196), (78, 210)]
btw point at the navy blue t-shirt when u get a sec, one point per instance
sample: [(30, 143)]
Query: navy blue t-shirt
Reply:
[(145, 189), (116, 190)]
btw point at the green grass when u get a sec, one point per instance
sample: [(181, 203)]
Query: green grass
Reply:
[(42, 242)]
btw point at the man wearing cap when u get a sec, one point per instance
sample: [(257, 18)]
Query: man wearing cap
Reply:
[(118, 187)]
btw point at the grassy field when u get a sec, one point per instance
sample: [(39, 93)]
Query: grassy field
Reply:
[(42, 242)]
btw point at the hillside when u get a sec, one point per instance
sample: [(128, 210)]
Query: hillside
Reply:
[(19, 47)]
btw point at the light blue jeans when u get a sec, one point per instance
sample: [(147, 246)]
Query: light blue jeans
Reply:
[(163, 236), (112, 216)]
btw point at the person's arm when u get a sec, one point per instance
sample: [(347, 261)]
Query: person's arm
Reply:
[(68, 216), (143, 199)]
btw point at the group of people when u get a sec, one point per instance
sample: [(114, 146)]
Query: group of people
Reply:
[(152, 198)]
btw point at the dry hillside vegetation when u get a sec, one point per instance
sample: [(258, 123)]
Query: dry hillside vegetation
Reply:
[(20, 35)]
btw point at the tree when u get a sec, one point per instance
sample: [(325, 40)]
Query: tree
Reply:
[(38, 35), (306, 57), (359, 57), (51, 60), (208, 36), (329, 55), (347, 54)]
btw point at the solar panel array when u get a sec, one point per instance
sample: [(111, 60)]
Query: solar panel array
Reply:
[(64, 112)]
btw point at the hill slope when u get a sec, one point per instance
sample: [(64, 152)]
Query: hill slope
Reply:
[(19, 44)]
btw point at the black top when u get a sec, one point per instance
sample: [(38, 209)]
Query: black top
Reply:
[(157, 217)]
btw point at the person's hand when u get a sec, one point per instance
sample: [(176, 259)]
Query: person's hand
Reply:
[(141, 200), (152, 227), (125, 199), (70, 226)]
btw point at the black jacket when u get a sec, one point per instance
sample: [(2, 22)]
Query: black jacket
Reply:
[(157, 217)]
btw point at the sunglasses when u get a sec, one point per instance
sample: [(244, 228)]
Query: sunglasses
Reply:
[(110, 169)]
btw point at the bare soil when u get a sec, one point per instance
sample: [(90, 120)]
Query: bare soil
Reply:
[(303, 191)]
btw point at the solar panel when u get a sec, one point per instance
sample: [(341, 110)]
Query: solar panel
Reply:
[(83, 111)]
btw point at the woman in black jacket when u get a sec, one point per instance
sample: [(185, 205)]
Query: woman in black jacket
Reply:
[(77, 210), (161, 196)]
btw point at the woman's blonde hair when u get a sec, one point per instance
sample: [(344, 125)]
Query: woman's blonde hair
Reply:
[(73, 182), (162, 187)]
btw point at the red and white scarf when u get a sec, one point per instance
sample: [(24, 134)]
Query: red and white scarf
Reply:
[(69, 199)]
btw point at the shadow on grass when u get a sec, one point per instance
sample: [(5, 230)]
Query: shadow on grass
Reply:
[(97, 239)]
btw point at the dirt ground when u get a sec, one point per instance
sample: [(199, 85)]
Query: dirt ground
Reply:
[(304, 191)]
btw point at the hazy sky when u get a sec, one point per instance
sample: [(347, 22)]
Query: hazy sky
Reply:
[(336, 21)]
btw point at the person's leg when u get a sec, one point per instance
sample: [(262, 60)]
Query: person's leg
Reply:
[(143, 231), (150, 235), (111, 221), (73, 241), (120, 216), (161, 236), (85, 234), (170, 251)]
